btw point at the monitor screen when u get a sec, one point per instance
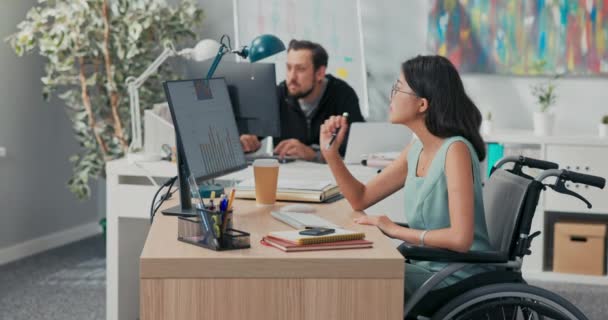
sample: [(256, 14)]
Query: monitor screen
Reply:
[(205, 128), (253, 92)]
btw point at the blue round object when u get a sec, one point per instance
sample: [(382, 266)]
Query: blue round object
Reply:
[(264, 46)]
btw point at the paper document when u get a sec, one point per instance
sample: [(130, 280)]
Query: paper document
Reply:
[(291, 184)]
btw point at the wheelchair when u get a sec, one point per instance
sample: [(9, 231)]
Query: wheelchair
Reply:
[(510, 200)]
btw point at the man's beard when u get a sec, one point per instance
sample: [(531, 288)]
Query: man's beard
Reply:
[(301, 95)]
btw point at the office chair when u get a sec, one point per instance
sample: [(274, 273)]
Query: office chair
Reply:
[(510, 200)]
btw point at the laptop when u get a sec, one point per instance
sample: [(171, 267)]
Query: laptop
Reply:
[(373, 137), (266, 152), (251, 157)]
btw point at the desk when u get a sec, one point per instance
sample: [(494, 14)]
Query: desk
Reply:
[(129, 193), (183, 281)]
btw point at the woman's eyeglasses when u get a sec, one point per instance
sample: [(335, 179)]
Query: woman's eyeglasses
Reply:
[(394, 91)]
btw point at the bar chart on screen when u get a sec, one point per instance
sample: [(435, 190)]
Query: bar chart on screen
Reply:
[(220, 151), (208, 131)]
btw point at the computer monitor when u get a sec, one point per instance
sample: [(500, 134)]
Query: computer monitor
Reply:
[(207, 139), (253, 92)]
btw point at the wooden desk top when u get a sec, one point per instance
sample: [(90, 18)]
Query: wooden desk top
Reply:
[(164, 256)]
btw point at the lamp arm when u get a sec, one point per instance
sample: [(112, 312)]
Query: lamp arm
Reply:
[(168, 52), (243, 52), (218, 57), (133, 85)]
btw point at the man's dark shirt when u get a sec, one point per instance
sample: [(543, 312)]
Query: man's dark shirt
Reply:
[(338, 98)]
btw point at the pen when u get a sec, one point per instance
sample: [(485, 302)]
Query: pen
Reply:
[(335, 134), (226, 218), (209, 229), (223, 203), (194, 193), (217, 222), (211, 205)]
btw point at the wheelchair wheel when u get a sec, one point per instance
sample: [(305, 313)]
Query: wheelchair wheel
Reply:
[(509, 301)]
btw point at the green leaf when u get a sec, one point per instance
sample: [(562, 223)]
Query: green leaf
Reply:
[(64, 30)]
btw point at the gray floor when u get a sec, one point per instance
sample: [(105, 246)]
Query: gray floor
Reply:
[(68, 283), (592, 300)]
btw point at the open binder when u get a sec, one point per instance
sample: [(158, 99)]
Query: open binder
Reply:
[(290, 190)]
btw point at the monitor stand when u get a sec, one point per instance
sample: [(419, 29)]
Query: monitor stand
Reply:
[(180, 212), (185, 208)]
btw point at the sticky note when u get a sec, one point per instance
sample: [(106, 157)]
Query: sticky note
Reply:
[(342, 73)]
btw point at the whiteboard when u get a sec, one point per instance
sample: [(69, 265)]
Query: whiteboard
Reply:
[(336, 25)]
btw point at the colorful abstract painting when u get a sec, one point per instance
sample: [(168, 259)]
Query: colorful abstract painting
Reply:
[(517, 37)]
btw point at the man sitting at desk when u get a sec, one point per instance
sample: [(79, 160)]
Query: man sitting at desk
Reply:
[(307, 98)]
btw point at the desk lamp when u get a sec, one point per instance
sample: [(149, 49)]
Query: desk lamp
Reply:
[(261, 47), (203, 50)]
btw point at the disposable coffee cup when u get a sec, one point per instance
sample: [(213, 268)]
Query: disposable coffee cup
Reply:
[(266, 175)]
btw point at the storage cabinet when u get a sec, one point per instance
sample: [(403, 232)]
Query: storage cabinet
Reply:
[(580, 248)]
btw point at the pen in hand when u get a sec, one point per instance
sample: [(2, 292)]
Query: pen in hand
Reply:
[(335, 134)]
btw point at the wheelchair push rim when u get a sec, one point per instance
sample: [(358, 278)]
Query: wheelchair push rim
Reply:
[(509, 301)]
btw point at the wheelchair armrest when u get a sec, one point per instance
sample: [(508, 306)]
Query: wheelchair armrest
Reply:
[(415, 252)]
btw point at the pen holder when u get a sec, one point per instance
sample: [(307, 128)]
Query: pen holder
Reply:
[(210, 233)]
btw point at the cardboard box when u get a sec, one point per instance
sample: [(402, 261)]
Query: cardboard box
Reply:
[(579, 248)]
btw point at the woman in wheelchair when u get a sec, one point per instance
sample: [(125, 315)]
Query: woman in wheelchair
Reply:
[(442, 164), (444, 204)]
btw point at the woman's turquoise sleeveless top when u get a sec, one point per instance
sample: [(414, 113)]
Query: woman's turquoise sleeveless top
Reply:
[(426, 201)]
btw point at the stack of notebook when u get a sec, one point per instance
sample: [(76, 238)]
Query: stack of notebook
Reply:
[(290, 241), (293, 190)]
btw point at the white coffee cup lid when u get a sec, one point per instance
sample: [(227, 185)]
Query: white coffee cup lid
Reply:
[(266, 163)]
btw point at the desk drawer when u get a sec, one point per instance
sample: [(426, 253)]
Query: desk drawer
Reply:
[(584, 159)]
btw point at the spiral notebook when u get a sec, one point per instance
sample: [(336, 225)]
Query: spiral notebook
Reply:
[(296, 238), (339, 245)]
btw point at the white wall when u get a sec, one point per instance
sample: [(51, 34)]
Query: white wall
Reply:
[(34, 199), (392, 37), (580, 102), (395, 30)]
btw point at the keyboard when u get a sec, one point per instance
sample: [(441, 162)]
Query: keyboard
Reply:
[(302, 220)]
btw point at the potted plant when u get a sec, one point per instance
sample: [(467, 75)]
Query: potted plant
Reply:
[(544, 94), (603, 127), (91, 47), (486, 124)]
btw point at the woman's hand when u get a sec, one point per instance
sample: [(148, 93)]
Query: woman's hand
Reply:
[(327, 129), (384, 223)]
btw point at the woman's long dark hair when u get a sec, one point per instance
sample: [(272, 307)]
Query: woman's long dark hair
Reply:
[(451, 112)]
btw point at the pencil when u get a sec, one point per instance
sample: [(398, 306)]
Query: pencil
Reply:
[(231, 200)]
